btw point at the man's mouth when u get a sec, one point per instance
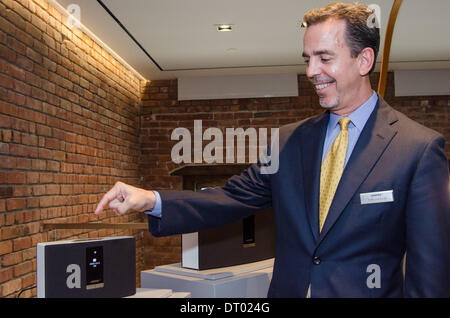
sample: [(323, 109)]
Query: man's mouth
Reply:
[(321, 86)]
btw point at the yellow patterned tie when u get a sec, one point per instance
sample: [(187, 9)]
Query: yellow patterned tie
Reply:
[(331, 170)]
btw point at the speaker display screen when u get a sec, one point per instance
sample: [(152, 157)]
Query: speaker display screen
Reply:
[(94, 267)]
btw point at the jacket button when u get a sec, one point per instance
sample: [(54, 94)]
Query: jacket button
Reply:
[(316, 260)]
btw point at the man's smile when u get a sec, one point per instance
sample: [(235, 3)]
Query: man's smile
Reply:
[(322, 86)]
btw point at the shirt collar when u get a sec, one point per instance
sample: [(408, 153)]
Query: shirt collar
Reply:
[(359, 116)]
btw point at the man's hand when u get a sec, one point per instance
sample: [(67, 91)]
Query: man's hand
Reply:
[(123, 198)]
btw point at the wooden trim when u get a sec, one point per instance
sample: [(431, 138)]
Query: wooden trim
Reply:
[(96, 226), (210, 169)]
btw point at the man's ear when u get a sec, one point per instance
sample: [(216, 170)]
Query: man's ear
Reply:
[(366, 59)]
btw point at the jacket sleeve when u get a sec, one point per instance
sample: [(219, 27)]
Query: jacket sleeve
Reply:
[(427, 272), (189, 211)]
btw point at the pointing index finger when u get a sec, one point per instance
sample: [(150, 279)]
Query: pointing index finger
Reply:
[(108, 197)]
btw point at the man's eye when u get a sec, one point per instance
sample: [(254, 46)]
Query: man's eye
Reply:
[(325, 60), (307, 61)]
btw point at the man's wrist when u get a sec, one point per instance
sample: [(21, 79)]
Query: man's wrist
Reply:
[(157, 208), (151, 201)]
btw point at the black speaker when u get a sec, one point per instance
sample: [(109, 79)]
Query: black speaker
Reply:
[(87, 268)]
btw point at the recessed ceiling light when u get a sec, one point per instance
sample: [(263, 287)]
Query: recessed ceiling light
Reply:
[(224, 27)]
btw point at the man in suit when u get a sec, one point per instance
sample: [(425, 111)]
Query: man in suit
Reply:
[(357, 186)]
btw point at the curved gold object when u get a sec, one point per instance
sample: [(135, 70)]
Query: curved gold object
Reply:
[(387, 47)]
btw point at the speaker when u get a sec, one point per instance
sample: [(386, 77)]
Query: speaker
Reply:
[(87, 268), (246, 241)]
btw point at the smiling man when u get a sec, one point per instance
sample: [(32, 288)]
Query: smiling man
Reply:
[(358, 186)]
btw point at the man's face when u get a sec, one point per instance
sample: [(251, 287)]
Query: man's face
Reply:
[(330, 67)]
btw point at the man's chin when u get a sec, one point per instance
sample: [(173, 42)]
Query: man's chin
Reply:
[(328, 105)]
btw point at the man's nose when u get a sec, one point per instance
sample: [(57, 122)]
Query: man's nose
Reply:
[(312, 69)]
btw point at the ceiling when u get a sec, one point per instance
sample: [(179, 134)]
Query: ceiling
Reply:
[(164, 39)]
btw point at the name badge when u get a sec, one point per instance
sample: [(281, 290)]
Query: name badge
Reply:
[(377, 197)]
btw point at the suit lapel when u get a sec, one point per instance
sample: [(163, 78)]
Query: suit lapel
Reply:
[(375, 137), (312, 141)]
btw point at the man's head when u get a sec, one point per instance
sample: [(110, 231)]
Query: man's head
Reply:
[(340, 48)]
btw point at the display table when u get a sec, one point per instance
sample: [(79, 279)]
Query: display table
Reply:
[(242, 281)]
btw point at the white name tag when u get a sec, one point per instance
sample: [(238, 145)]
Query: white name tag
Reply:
[(377, 197)]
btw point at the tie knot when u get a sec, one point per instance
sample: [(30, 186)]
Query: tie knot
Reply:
[(344, 122)]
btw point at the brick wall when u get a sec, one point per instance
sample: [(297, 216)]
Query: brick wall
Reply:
[(161, 113), (69, 118)]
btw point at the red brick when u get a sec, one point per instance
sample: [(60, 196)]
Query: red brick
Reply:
[(6, 274), (15, 204), (22, 151), (32, 202), (11, 287), (23, 163), (29, 280), (16, 177), (3, 37), (53, 166), (7, 26), (22, 87), (32, 177), (24, 37), (16, 72), (16, 99), (46, 201), (6, 81), (5, 248), (33, 79), (21, 243), (16, 45), (5, 122), (22, 269), (10, 232), (39, 23), (6, 136), (38, 93), (52, 189), (22, 10), (46, 177), (38, 190), (4, 148), (38, 164)]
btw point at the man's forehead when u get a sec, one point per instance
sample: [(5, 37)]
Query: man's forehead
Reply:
[(330, 25), (324, 36)]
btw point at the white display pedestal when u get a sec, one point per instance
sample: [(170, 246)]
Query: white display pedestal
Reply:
[(158, 293), (242, 281)]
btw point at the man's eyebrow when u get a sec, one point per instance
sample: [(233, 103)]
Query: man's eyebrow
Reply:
[(319, 52)]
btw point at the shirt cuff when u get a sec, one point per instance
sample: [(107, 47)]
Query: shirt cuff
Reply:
[(157, 209)]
